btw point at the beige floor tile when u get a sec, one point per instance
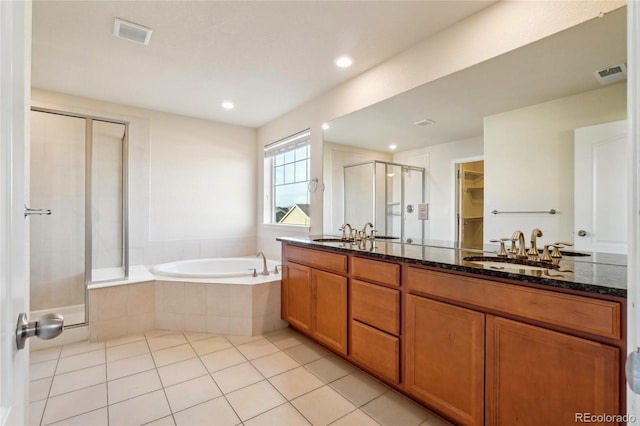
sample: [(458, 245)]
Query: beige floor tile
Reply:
[(194, 336), (165, 421), (36, 409), (124, 340), (139, 410), (275, 363), (296, 382), (257, 348), (323, 406), (75, 403), (127, 350), (42, 369), (212, 344), (157, 333), (236, 377), (220, 360), (330, 368), (181, 371), (166, 341), (132, 386), (44, 355), (216, 412), (255, 399), (128, 366), (392, 409), (283, 415), (192, 392), (80, 348), (306, 353), (39, 389), (78, 379), (240, 340), (359, 388), (355, 418), (93, 418), (286, 338), (434, 420), (80, 361), (173, 355)]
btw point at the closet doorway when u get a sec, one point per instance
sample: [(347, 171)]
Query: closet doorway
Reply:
[(470, 204)]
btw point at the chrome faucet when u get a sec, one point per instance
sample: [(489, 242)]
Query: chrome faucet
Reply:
[(344, 234), (533, 250), (519, 236), (265, 270), (364, 230)]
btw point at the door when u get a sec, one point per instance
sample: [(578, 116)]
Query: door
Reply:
[(329, 309), (14, 287), (600, 188), (296, 296), (470, 204)]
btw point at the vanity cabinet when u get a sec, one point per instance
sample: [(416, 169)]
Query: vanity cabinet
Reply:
[(314, 295), (485, 352), (375, 317)]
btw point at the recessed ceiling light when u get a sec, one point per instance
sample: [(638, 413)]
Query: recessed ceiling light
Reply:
[(227, 105), (344, 61), (325, 126), (393, 146)]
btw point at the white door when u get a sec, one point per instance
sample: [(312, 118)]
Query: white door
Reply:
[(600, 188), (15, 18)]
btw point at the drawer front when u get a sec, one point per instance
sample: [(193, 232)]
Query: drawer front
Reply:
[(375, 350), (590, 315), (376, 305), (317, 258), (376, 270)]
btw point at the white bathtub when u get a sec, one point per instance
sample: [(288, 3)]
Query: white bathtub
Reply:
[(214, 268)]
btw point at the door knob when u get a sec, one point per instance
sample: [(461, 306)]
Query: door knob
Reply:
[(582, 233), (46, 327)]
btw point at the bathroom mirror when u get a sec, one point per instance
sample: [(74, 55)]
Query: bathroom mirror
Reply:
[(551, 83)]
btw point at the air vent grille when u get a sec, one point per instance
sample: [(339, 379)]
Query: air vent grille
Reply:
[(423, 123), (130, 31), (611, 74)]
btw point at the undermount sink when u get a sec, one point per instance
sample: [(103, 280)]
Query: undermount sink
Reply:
[(330, 240), (500, 263)]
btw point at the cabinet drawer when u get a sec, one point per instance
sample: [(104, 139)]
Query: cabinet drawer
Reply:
[(376, 270), (376, 305), (317, 258), (376, 351), (590, 315)]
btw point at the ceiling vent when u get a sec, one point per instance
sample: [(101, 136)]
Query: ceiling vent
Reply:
[(611, 74), (423, 123), (131, 31)]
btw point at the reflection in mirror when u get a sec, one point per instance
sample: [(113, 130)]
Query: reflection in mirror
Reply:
[(518, 112)]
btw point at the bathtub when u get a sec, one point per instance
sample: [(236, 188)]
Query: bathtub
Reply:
[(215, 268)]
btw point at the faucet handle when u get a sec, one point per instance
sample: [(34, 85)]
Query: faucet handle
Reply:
[(255, 272), (275, 270), (503, 251), (546, 257)]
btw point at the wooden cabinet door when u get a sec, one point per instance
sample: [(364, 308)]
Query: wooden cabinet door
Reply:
[(296, 296), (541, 377), (444, 358), (329, 317)]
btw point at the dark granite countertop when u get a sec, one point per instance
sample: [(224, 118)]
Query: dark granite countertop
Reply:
[(598, 273)]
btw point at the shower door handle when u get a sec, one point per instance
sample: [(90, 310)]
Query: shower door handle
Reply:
[(47, 327), (29, 211)]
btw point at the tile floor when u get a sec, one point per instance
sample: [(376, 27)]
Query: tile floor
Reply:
[(175, 378)]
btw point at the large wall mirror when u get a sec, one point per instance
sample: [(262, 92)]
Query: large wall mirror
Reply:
[(513, 119)]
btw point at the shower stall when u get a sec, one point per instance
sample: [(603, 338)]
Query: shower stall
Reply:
[(391, 196), (77, 209)]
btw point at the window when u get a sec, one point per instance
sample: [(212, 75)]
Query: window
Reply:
[(287, 162)]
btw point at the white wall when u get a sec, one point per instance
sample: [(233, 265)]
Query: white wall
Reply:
[(192, 182), (529, 161), (500, 28), (439, 162)]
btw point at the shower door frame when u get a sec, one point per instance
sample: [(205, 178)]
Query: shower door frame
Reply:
[(88, 247)]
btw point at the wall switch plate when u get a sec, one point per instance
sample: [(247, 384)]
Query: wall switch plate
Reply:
[(423, 211)]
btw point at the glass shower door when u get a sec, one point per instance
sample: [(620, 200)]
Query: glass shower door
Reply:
[(57, 241)]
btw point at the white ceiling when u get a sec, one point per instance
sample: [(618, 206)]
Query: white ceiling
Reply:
[(555, 67), (266, 57)]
